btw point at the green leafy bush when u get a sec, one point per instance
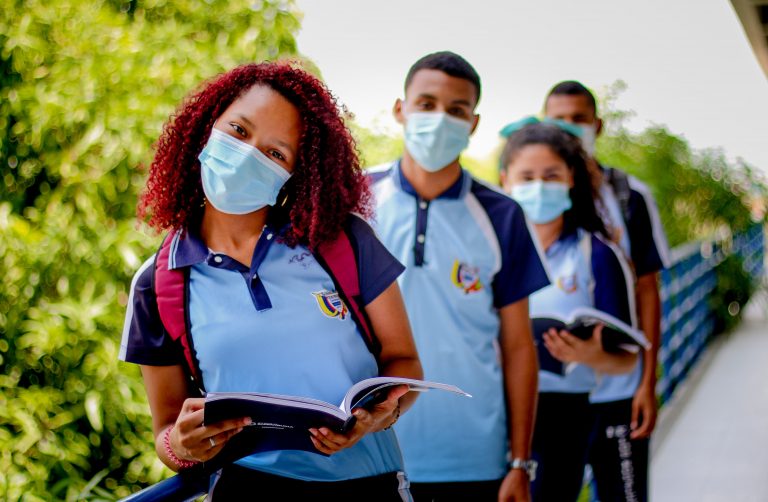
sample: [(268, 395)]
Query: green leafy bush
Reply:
[(733, 290), (84, 90)]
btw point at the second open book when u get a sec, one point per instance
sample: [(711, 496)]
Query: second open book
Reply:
[(617, 335)]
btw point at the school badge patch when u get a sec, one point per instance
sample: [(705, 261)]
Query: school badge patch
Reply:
[(331, 304), (568, 283), (466, 277)]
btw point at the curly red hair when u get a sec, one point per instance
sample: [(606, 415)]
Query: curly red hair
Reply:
[(327, 182)]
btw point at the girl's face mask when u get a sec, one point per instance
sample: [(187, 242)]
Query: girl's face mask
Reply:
[(238, 178), (542, 201)]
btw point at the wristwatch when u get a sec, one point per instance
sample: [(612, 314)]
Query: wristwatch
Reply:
[(529, 466)]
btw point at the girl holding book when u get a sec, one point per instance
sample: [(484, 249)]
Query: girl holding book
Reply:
[(253, 175), (543, 168)]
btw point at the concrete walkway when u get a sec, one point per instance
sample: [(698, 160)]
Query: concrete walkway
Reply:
[(711, 444)]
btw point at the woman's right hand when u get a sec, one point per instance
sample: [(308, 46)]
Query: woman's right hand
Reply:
[(567, 348), (193, 441)]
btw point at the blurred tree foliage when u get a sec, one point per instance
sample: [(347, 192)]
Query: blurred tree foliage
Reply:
[(374, 145), (84, 90), (700, 193)]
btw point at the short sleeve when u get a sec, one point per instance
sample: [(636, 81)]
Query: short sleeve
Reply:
[(144, 339), (377, 267), (648, 245), (613, 292), (522, 270)]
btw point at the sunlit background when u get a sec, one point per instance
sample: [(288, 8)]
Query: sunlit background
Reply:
[(85, 88), (687, 64)]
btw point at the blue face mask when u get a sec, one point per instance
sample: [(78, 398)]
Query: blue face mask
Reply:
[(238, 178), (542, 201), (434, 140)]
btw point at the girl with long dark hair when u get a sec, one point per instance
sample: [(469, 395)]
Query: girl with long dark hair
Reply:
[(543, 168)]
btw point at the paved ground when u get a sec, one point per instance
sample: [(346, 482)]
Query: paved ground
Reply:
[(712, 440)]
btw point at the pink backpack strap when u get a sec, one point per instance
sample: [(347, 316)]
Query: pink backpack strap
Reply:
[(339, 260), (171, 293)]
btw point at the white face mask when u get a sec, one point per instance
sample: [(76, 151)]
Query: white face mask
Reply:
[(238, 178), (434, 139), (588, 138)]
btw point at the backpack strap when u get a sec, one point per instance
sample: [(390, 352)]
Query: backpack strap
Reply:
[(619, 181), (171, 292), (338, 259), (171, 286), (585, 247)]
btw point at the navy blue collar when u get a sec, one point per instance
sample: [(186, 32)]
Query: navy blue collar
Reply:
[(564, 239), (188, 248), (456, 191)]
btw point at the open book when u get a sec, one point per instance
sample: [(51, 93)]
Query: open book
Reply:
[(282, 422), (617, 335)]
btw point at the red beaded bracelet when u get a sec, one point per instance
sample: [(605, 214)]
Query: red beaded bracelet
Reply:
[(182, 464)]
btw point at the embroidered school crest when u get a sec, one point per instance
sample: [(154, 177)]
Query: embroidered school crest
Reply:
[(568, 283), (331, 304), (466, 277)]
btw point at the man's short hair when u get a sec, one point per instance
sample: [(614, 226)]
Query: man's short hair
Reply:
[(447, 62), (574, 88)]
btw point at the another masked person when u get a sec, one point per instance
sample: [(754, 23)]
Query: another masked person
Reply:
[(255, 172), (625, 406), (470, 266), (543, 167)]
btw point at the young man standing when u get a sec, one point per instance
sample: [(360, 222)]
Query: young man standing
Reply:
[(470, 265), (625, 405)]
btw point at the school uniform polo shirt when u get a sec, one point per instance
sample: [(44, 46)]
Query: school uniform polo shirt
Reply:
[(649, 253), (467, 253), (601, 280), (275, 326)]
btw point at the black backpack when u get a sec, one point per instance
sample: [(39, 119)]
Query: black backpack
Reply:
[(619, 181)]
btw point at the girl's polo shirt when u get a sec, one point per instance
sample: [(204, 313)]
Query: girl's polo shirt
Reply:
[(601, 280), (468, 253), (277, 326)]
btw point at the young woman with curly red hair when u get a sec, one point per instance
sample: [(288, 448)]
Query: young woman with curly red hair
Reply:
[(253, 174)]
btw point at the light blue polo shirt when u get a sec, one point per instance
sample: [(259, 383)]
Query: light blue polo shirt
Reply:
[(586, 271), (644, 241), (279, 327), (467, 253)]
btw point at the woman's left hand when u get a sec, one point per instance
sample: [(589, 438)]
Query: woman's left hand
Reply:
[(381, 416)]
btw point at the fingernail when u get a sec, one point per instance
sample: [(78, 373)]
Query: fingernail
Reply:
[(358, 413), (313, 432), (324, 431)]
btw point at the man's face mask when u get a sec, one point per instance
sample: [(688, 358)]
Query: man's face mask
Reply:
[(434, 139), (238, 178)]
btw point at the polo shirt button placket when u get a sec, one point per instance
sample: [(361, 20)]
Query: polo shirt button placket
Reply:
[(421, 231)]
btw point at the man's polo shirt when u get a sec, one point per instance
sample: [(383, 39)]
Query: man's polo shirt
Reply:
[(275, 326), (649, 253), (467, 253)]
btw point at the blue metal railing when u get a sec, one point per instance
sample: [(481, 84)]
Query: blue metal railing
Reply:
[(687, 325), (179, 488), (688, 321)]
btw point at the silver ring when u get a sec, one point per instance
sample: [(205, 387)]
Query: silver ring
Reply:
[(213, 442)]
